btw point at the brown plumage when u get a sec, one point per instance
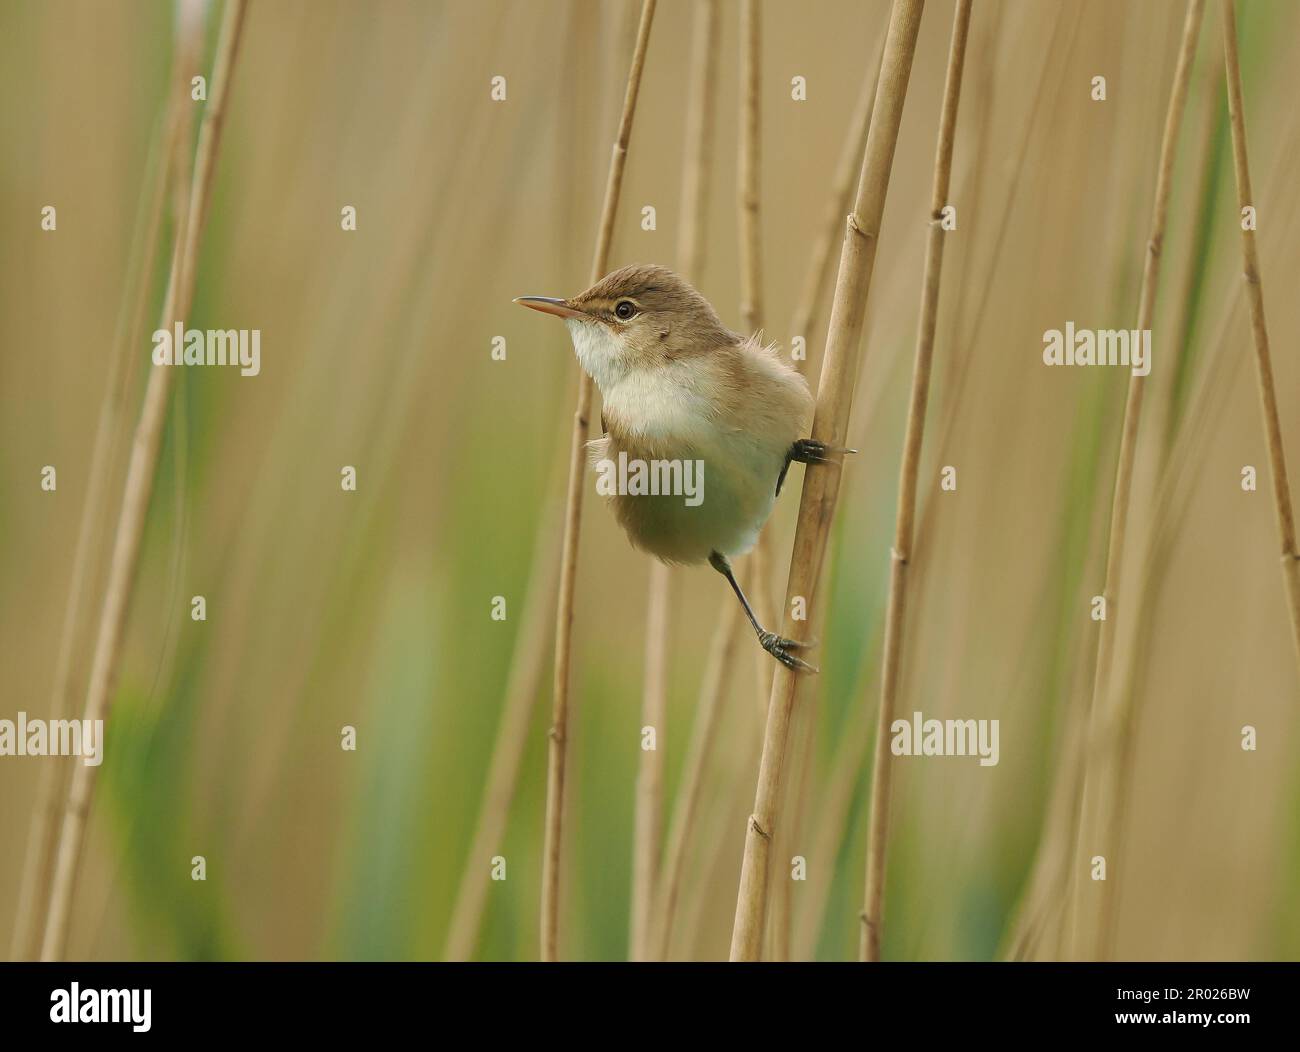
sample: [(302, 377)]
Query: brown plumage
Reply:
[(679, 387)]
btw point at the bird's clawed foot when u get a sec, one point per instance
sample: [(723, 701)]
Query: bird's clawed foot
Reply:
[(810, 451), (779, 647)]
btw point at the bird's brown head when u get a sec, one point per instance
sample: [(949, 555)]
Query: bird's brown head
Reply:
[(639, 316)]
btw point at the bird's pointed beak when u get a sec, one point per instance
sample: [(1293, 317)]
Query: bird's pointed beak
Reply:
[(547, 305)]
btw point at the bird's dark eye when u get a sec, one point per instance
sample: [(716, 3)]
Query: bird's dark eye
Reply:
[(624, 310)]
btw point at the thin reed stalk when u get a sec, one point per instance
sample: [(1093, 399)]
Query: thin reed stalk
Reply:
[(725, 632), (749, 225), (1156, 558), (815, 278), (834, 805), (700, 121), (1101, 737), (713, 688), (558, 737), (1049, 883), (748, 204), (803, 321), (821, 485), (1177, 486), (38, 863), (648, 829), (1259, 328), (794, 799), (901, 555), (139, 485), (528, 654), (794, 805), (1054, 846), (523, 682), (748, 197)]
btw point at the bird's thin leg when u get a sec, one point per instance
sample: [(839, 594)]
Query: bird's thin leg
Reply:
[(808, 451), (778, 646)]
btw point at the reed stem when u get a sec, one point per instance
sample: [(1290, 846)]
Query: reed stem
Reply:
[(1259, 329), (713, 688), (648, 821), (1156, 557), (38, 864), (821, 486), (523, 683), (901, 555), (748, 203), (805, 318), (558, 736), (139, 486), (1102, 727), (647, 900)]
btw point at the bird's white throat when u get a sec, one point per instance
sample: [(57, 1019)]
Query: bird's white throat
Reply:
[(670, 403), (599, 352)]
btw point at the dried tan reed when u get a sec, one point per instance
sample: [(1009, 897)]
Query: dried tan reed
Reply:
[(528, 654), (821, 486), (1101, 735), (816, 277), (748, 205), (648, 829), (523, 683), (900, 556), (698, 158), (722, 652), (1156, 555), (558, 741), (1259, 329), (38, 864), (139, 486)]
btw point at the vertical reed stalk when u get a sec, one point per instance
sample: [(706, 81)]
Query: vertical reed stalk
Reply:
[(700, 120), (648, 822), (139, 486), (713, 688), (795, 796), (558, 740), (900, 556), (646, 872), (1156, 558), (38, 864), (747, 170), (831, 831), (804, 319), (1055, 841), (748, 201), (821, 485), (1259, 329), (522, 684), (725, 633), (1101, 735), (528, 655), (749, 226)]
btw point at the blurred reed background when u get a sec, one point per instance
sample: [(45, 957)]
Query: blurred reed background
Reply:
[(372, 609)]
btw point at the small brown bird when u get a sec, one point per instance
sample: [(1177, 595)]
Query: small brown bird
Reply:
[(683, 392)]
